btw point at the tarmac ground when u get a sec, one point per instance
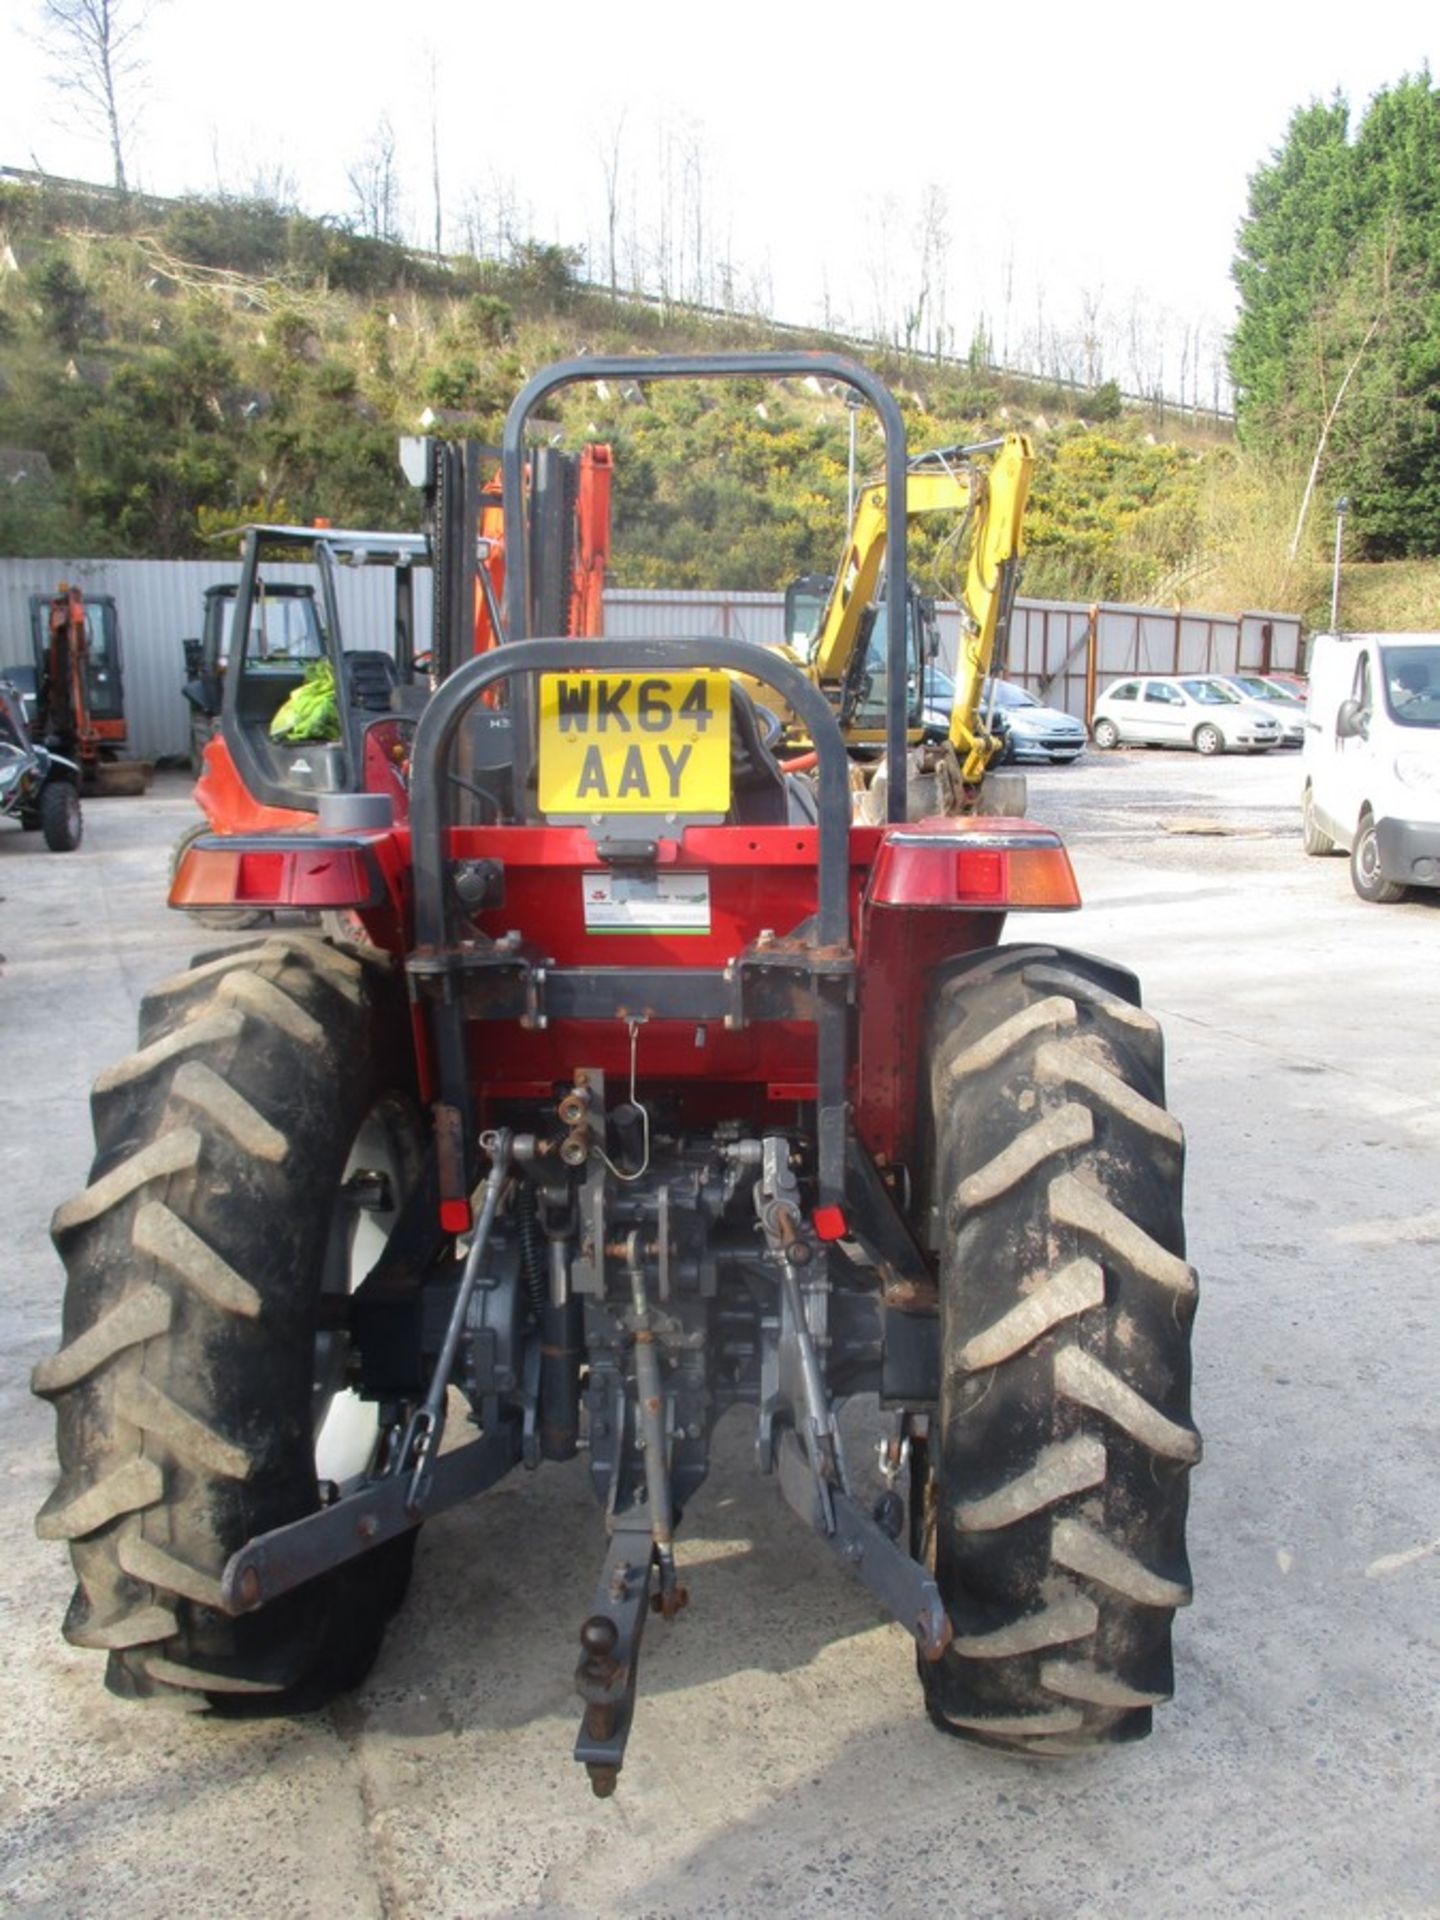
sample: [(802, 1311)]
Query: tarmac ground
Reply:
[(780, 1762)]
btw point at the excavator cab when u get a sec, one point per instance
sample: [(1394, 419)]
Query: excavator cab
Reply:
[(867, 695), (101, 690), (864, 692)]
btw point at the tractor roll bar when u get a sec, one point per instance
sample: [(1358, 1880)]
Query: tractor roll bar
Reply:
[(735, 366), (431, 811)]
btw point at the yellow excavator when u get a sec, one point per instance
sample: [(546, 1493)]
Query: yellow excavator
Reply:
[(837, 627)]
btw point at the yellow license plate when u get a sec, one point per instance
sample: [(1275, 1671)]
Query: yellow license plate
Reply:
[(634, 743)]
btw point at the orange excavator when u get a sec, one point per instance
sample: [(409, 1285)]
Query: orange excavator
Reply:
[(79, 689)]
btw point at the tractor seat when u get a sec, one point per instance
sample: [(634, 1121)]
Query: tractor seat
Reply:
[(758, 791), (370, 678)]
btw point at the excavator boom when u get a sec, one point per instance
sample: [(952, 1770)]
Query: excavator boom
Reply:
[(996, 545), (993, 498)]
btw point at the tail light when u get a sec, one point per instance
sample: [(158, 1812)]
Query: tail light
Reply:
[(979, 867)]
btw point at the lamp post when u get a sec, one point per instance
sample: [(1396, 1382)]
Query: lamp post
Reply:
[(1342, 507)]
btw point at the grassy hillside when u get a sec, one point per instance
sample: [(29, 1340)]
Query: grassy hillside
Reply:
[(180, 368)]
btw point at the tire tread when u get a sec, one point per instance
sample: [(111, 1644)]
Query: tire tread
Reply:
[(1054, 1507), (181, 1394)]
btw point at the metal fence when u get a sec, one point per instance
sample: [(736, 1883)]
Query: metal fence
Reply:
[(1052, 643), (1059, 649)]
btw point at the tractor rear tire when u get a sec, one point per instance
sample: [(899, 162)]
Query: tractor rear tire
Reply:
[(194, 1390), (61, 820), (1054, 1488)]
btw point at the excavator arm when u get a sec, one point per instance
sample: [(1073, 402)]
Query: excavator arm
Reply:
[(937, 489), (996, 545), (942, 482)]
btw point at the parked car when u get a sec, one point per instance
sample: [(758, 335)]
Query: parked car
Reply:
[(1287, 706), (1181, 710), (1032, 731)]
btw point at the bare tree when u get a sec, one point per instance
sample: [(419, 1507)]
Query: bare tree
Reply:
[(934, 266), (431, 76), (610, 173), (694, 215), (879, 266), (1326, 425), (514, 217), (97, 44), (268, 182), (1145, 346), (276, 184), (375, 182), (474, 221), (665, 218), (1092, 333)]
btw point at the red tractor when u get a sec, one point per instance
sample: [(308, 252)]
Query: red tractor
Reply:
[(659, 1086)]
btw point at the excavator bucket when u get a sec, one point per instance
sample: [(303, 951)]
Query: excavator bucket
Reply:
[(117, 779)]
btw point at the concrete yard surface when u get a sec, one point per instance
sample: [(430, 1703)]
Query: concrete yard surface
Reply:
[(780, 1762)]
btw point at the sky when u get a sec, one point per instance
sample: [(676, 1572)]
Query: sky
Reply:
[(1080, 172)]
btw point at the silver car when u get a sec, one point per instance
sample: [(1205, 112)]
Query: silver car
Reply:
[(1181, 710), (1282, 702)]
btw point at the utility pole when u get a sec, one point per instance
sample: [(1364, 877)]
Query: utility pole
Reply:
[(1342, 507)]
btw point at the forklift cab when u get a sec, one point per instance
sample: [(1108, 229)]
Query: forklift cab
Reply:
[(284, 620), (277, 638)]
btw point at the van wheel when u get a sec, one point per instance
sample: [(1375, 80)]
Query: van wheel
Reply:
[(1209, 740), (1315, 838), (1365, 874)]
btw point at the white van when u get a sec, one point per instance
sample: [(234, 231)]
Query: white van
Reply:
[(1371, 763)]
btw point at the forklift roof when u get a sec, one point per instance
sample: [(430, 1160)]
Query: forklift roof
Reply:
[(349, 546)]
